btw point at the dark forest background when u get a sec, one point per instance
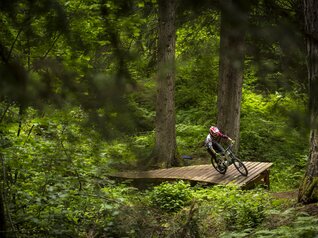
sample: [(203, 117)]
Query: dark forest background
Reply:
[(78, 100)]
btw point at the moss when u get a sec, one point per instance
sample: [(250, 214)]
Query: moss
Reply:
[(309, 190)]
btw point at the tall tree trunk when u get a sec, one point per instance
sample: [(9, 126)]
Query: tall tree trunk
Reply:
[(2, 216), (308, 191), (165, 147), (2, 211), (234, 17)]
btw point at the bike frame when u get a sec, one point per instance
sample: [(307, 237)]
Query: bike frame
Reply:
[(230, 158), (228, 154)]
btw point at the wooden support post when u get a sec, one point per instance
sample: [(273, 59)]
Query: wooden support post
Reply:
[(266, 178)]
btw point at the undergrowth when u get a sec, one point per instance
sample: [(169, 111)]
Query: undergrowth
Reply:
[(178, 210)]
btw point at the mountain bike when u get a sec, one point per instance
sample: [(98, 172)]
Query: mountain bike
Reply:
[(221, 162)]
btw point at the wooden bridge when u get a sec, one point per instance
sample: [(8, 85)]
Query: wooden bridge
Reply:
[(258, 172)]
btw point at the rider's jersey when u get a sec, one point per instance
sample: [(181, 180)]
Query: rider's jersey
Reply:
[(209, 139)]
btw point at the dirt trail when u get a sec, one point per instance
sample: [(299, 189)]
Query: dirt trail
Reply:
[(311, 209), (286, 195)]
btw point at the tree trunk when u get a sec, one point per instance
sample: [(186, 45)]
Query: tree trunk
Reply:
[(2, 217), (2, 211), (165, 147), (308, 191), (234, 16)]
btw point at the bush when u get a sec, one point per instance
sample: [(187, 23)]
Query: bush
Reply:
[(171, 197), (239, 209)]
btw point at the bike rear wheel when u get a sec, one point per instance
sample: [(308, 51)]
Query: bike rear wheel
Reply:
[(218, 164), (240, 166)]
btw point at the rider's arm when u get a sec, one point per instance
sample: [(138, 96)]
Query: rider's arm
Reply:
[(226, 137), (231, 140), (208, 143)]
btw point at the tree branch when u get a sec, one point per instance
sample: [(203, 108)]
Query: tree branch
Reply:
[(16, 38), (5, 112), (54, 42)]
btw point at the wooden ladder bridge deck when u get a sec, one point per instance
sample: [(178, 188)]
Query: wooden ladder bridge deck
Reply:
[(258, 172)]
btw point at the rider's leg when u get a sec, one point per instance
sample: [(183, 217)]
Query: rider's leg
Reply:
[(218, 148), (210, 152), (213, 155)]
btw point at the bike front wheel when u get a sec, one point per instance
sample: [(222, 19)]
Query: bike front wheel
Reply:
[(240, 166), (218, 164)]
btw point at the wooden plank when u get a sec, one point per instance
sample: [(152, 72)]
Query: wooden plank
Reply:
[(167, 172), (223, 177), (231, 178), (211, 175), (201, 173), (253, 167), (190, 172), (197, 171), (183, 173), (210, 172), (195, 174), (254, 174), (260, 169), (177, 173), (256, 180)]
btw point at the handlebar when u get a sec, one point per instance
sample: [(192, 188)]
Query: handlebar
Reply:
[(230, 145)]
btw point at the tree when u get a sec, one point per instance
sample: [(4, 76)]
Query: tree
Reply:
[(2, 214), (165, 146), (233, 24), (308, 192)]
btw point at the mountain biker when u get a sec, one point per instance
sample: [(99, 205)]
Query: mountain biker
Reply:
[(212, 141)]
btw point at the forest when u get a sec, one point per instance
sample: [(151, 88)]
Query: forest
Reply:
[(89, 88)]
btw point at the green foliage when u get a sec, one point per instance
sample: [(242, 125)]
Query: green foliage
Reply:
[(54, 173), (197, 77), (303, 226), (171, 197), (269, 134), (190, 138), (288, 175), (239, 209), (142, 145), (211, 212), (270, 128), (288, 223)]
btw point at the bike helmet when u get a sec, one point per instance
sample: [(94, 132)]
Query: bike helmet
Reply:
[(214, 131)]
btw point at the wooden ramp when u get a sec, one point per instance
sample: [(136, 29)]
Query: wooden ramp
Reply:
[(257, 172)]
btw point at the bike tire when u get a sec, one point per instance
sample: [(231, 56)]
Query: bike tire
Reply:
[(220, 168), (238, 164)]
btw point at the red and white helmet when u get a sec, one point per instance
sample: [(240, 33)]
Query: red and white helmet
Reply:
[(214, 131)]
